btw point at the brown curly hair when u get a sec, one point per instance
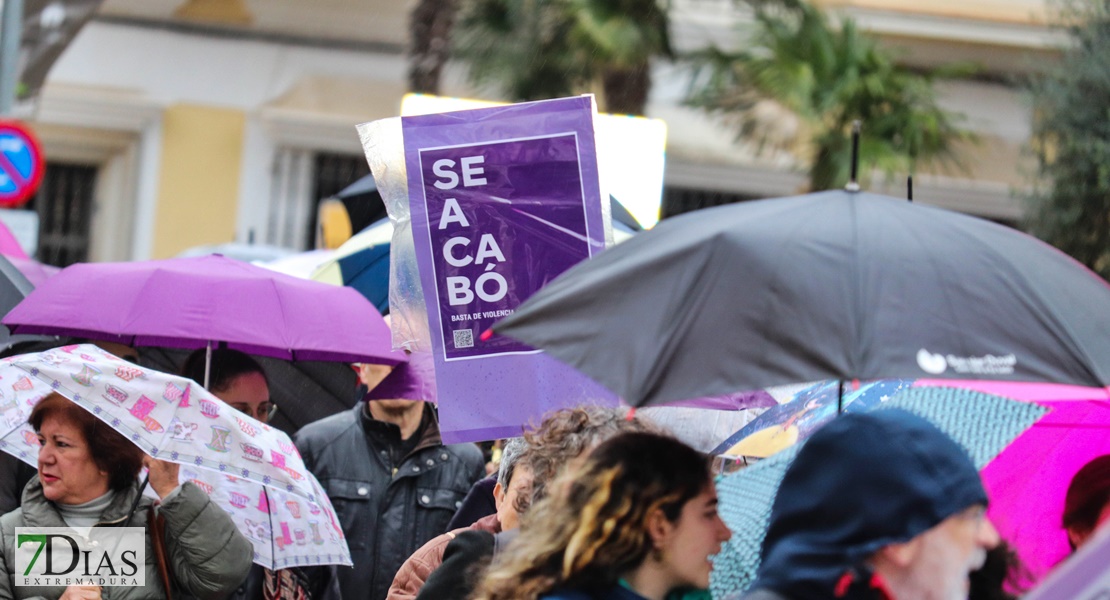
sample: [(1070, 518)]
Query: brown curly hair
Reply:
[(595, 529), (566, 434), (111, 452)]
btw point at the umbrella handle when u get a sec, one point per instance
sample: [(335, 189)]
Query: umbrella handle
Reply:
[(138, 497)]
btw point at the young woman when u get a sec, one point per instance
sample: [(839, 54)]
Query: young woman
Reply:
[(636, 521)]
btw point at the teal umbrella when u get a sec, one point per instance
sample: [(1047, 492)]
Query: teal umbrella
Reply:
[(982, 423)]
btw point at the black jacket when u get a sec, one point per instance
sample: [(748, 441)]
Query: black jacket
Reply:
[(386, 511)]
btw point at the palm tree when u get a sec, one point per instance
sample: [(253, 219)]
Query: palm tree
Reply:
[(430, 25), (798, 69), (537, 49)]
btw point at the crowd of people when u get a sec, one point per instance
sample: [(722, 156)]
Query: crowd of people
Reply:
[(590, 503)]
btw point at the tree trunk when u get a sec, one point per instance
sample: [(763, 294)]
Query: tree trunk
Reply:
[(430, 27), (626, 90)]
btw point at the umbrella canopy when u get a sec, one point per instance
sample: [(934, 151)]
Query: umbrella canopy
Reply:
[(983, 424), (362, 263), (33, 270), (9, 245), (192, 302), (14, 287), (302, 264), (250, 469), (834, 285), (1027, 482), (783, 425), (240, 251), (303, 391)]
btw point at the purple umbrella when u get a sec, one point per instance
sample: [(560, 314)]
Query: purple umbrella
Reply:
[(196, 302)]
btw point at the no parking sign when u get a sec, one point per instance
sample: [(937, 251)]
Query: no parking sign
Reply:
[(21, 164)]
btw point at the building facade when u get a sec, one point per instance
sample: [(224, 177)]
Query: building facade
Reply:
[(169, 124)]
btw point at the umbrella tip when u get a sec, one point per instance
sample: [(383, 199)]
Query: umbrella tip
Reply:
[(853, 180)]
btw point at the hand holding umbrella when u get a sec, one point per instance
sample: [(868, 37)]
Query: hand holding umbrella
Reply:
[(248, 468), (163, 475)]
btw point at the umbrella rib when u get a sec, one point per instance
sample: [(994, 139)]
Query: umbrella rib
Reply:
[(284, 317), (856, 356), (273, 538)]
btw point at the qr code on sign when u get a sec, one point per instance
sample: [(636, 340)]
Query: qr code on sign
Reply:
[(464, 338)]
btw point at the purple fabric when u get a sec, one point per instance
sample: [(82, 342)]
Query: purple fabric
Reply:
[(503, 200), (414, 380), (189, 302)]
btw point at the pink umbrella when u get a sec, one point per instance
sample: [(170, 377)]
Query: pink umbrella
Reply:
[(195, 302), (9, 246), (1028, 481)]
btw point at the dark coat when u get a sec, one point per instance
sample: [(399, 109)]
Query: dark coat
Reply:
[(477, 504), (387, 511)]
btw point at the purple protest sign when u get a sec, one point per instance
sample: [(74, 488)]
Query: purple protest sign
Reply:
[(506, 217), (503, 200)]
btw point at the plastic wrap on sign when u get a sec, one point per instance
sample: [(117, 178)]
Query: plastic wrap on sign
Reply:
[(384, 148), (499, 202)]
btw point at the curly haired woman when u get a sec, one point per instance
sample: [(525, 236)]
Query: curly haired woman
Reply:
[(637, 521)]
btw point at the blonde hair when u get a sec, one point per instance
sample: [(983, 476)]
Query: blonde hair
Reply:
[(592, 528)]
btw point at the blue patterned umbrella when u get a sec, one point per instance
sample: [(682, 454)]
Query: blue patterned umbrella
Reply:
[(983, 424)]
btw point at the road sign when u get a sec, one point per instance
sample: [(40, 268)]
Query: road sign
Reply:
[(21, 164)]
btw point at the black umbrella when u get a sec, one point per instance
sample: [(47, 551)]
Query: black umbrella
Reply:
[(834, 285), (303, 391), (14, 287)]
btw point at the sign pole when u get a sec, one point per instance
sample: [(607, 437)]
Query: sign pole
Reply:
[(11, 34)]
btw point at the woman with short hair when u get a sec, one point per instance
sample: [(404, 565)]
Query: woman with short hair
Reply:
[(88, 477)]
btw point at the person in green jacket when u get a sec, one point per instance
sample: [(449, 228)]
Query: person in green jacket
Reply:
[(88, 477)]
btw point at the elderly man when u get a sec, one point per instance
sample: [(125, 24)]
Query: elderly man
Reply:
[(880, 505)]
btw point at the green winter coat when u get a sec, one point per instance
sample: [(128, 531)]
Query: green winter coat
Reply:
[(207, 554)]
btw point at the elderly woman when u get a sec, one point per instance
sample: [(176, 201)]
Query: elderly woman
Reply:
[(87, 476)]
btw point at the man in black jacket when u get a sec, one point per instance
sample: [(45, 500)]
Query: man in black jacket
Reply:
[(393, 483)]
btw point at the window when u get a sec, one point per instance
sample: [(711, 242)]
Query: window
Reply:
[(64, 203), (301, 179)]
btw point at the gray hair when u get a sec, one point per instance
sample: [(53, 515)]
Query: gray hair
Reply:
[(511, 452)]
